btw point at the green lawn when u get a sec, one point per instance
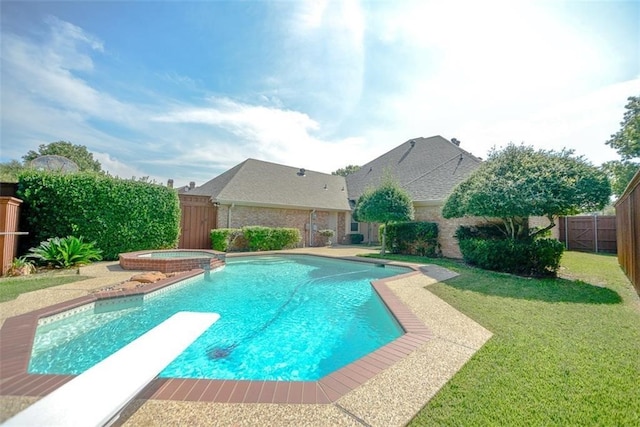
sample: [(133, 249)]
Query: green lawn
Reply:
[(564, 351), (11, 287)]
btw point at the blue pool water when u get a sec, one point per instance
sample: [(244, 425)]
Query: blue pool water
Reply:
[(294, 318)]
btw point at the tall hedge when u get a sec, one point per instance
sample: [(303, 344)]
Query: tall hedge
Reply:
[(119, 215), (413, 238)]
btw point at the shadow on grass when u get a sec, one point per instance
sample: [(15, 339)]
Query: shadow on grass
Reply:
[(548, 290)]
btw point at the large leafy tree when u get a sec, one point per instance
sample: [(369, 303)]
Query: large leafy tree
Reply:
[(627, 143), (385, 204), (519, 182), (347, 170), (77, 153), (10, 170)]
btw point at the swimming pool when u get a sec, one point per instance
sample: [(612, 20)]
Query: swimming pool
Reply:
[(294, 318)]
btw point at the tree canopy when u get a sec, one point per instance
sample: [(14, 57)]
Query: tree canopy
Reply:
[(347, 170), (519, 182), (627, 143), (385, 204), (77, 153), (627, 140)]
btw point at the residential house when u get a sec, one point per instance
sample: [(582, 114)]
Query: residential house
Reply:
[(256, 192), (428, 169)]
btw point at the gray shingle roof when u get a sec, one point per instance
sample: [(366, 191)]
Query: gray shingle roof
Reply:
[(260, 183), (427, 168)]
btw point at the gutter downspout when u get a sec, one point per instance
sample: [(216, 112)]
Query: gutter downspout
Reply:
[(229, 215), (311, 227)]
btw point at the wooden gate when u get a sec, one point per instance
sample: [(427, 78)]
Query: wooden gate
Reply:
[(589, 233), (198, 218)]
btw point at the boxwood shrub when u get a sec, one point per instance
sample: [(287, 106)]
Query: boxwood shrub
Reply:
[(119, 215), (254, 238), (354, 238), (413, 238), (529, 257)]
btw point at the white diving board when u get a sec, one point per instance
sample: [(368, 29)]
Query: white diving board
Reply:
[(96, 397)]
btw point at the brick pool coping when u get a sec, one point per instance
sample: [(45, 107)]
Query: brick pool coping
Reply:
[(18, 332), (138, 260)]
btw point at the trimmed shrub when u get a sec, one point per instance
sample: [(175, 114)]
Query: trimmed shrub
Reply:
[(119, 215), (354, 238), (222, 237), (413, 238), (538, 258), (285, 237), (254, 238)]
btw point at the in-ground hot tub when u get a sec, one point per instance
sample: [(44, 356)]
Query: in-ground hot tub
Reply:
[(172, 260)]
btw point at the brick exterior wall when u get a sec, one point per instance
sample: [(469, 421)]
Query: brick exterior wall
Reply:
[(446, 228), (242, 216)]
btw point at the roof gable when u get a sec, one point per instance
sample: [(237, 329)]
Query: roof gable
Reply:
[(256, 182), (428, 168)]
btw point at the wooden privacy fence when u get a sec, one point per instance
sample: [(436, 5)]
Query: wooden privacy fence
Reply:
[(198, 218), (588, 233), (628, 223), (9, 215)]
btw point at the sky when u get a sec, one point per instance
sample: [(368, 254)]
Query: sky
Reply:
[(186, 90)]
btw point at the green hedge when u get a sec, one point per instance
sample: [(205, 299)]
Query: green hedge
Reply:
[(254, 238), (119, 215), (355, 238), (538, 258), (413, 238)]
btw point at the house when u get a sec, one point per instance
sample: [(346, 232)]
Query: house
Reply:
[(428, 169), (256, 192)]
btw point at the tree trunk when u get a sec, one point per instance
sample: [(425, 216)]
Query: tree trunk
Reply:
[(384, 239)]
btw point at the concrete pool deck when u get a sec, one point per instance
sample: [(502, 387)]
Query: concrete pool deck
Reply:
[(392, 397)]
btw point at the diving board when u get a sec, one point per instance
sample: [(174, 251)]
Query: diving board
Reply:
[(96, 397)]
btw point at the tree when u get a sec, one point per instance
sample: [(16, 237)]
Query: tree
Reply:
[(627, 140), (519, 182), (627, 143), (620, 173), (388, 203), (77, 153), (347, 170), (9, 171)]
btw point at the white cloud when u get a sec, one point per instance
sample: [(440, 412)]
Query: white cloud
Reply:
[(117, 168), (266, 133), (582, 123)]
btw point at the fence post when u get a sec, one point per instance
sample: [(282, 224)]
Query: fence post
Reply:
[(566, 232), (595, 231)]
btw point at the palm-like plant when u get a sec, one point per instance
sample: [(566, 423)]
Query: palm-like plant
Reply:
[(65, 252)]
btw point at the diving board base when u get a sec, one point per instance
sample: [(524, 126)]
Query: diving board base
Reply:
[(97, 396)]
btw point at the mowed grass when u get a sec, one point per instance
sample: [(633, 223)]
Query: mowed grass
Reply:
[(565, 351), (11, 287)]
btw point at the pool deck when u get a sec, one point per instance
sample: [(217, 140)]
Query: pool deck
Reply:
[(389, 398)]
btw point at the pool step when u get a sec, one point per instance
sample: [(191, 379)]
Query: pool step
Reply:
[(96, 397)]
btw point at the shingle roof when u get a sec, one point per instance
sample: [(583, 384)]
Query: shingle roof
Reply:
[(427, 168), (260, 183)]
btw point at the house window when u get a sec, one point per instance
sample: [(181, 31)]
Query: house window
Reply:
[(354, 226)]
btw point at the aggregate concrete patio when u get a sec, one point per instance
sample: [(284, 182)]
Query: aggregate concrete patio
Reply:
[(390, 398)]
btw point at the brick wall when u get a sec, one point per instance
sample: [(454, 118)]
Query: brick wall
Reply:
[(446, 228)]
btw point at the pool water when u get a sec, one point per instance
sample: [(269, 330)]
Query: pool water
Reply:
[(293, 318)]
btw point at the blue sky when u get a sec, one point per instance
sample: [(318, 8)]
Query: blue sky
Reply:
[(186, 90)]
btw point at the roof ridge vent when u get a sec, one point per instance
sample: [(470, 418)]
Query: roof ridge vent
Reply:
[(302, 172)]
